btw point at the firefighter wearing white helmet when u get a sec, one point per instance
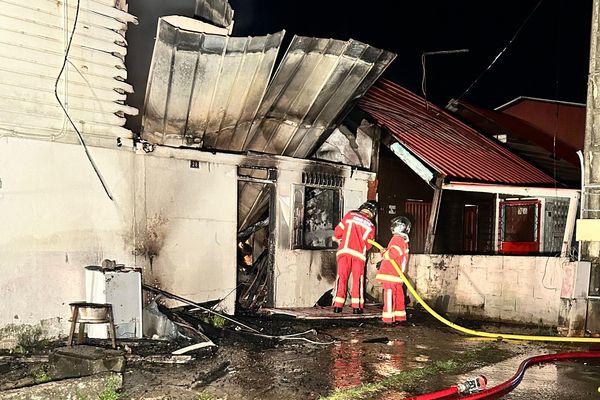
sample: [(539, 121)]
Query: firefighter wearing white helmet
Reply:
[(353, 233), (394, 309)]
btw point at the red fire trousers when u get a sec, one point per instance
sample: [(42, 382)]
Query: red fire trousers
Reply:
[(393, 302), (347, 264)]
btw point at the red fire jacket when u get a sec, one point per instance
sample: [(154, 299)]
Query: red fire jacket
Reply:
[(353, 231), (397, 250)]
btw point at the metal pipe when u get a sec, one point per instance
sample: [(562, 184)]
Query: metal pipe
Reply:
[(581, 198), (191, 303)]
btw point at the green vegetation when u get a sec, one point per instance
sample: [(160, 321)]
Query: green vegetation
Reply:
[(110, 392), (41, 375), (411, 379), (204, 396), (214, 320), (28, 338)]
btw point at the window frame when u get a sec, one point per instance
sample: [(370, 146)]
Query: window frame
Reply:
[(299, 221)]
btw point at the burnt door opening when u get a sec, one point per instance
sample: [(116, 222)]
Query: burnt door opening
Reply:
[(470, 222), (255, 244)]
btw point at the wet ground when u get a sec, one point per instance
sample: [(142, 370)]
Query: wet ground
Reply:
[(391, 361), (362, 354)]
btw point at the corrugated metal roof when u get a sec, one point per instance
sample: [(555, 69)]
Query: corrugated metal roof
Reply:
[(552, 156), (32, 47), (315, 83), (204, 89), (218, 12), (443, 142), (208, 91)]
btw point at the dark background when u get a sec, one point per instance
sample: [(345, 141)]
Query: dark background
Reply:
[(548, 58)]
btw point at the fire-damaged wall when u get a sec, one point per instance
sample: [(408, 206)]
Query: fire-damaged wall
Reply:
[(186, 210), (174, 214), (305, 269)]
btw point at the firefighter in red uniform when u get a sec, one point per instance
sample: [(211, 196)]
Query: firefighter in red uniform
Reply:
[(353, 233), (397, 250)]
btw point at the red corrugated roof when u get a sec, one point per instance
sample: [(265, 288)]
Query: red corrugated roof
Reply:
[(443, 142)]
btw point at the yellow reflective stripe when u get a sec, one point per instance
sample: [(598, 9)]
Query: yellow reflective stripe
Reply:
[(355, 301), (387, 314), (352, 253), (388, 278), (386, 255), (362, 291), (400, 313), (341, 225), (339, 300)]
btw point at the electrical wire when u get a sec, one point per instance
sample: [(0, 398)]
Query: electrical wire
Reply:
[(79, 136), (239, 325), (498, 336), (501, 51)]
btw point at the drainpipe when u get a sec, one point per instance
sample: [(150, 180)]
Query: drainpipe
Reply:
[(581, 197)]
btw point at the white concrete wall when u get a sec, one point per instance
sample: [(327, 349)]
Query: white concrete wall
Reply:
[(55, 219), (499, 288), (196, 211), (302, 276)]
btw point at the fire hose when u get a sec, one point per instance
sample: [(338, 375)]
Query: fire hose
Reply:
[(475, 389), (498, 336), (467, 387)]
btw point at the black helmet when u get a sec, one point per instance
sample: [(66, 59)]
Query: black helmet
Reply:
[(400, 225), (370, 207)]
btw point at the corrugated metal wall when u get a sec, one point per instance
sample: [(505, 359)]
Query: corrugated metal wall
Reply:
[(34, 37)]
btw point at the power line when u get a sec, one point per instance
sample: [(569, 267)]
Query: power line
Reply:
[(502, 51), (62, 69)]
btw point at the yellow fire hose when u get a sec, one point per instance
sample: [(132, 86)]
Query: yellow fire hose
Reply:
[(498, 336)]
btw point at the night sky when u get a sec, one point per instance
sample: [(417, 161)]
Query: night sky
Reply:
[(548, 58)]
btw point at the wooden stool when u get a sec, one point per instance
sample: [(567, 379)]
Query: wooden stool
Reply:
[(91, 313)]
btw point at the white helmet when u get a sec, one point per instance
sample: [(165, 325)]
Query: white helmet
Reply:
[(400, 226)]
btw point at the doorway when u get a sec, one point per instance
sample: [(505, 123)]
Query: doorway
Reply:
[(519, 223), (255, 244), (470, 222)]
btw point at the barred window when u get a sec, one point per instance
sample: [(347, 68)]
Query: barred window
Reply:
[(317, 210)]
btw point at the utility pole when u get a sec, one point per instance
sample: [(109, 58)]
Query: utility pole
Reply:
[(588, 226)]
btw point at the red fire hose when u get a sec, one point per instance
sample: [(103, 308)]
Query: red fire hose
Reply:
[(470, 386), (506, 387)]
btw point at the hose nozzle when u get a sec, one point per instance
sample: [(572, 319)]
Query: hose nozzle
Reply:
[(472, 385)]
